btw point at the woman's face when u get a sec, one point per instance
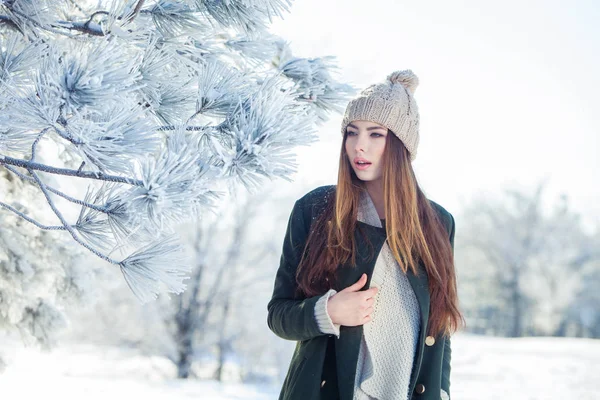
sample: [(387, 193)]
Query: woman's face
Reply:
[(365, 142)]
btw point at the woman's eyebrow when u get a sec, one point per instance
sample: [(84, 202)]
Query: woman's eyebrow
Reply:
[(369, 129)]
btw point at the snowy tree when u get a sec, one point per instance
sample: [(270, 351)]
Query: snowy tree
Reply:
[(231, 250), (525, 266), (40, 275), (121, 119), (153, 106), (582, 316), (570, 254)]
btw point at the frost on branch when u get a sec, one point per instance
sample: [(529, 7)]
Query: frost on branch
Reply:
[(129, 117)]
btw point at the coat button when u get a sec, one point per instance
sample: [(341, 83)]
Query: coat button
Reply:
[(322, 383), (429, 340), (420, 388)]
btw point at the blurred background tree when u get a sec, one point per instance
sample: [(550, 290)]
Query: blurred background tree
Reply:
[(525, 270)]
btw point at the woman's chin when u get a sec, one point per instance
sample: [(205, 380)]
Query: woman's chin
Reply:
[(365, 177)]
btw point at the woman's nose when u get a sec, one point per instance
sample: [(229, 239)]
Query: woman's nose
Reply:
[(361, 145)]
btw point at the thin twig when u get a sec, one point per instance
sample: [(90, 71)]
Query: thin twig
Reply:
[(37, 139), (67, 136), (57, 192), (65, 223), (136, 10), (33, 221), (77, 26), (172, 128), (84, 27), (81, 10), (5, 19), (68, 172), (86, 24), (34, 22)]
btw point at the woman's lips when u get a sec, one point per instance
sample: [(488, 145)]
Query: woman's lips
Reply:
[(362, 166)]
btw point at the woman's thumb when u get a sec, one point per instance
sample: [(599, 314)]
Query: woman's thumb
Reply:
[(355, 287)]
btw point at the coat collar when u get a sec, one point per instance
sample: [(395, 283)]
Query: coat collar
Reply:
[(367, 212)]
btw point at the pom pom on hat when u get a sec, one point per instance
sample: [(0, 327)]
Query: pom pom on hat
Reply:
[(406, 78)]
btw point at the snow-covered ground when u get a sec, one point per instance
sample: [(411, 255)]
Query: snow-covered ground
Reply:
[(544, 368), (482, 368)]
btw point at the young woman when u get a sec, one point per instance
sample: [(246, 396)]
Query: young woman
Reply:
[(366, 282)]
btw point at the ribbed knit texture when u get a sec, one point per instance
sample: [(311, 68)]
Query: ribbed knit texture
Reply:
[(389, 341), (391, 104), (326, 325)]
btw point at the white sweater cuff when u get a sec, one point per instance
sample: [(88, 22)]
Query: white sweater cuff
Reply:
[(324, 321)]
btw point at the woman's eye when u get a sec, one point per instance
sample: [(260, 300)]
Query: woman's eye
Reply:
[(374, 134)]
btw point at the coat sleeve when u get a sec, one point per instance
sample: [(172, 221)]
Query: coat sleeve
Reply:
[(288, 317), (447, 349)]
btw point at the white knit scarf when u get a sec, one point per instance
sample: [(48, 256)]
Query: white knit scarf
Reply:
[(389, 342)]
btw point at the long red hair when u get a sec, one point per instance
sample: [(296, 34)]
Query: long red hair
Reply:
[(414, 231)]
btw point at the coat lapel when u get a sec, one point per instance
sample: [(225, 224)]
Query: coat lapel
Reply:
[(347, 346)]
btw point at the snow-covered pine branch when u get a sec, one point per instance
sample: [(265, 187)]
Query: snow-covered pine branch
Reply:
[(156, 105)]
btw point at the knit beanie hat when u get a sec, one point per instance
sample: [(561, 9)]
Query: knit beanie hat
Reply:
[(391, 104)]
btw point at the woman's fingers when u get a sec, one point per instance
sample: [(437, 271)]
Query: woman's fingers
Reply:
[(366, 306), (354, 306), (369, 293), (355, 287)]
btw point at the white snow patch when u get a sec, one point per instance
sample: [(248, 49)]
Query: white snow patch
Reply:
[(482, 367)]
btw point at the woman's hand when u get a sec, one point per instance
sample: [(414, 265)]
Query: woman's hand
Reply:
[(351, 306)]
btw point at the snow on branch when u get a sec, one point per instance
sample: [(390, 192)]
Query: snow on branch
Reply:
[(154, 106)]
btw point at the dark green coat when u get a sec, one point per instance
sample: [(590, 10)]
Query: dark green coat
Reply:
[(324, 358)]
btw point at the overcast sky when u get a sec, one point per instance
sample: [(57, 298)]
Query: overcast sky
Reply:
[(509, 91)]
